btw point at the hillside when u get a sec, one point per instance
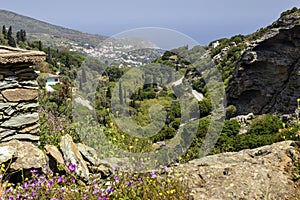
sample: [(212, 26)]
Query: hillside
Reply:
[(49, 34)]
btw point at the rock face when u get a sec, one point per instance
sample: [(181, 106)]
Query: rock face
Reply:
[(72, 154), (267, 78), (18, 94), (27, 155), (262, 173)]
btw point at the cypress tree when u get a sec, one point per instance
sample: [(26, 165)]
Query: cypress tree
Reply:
[(40, 45), (4, 32), (11, 39), (120, 93)]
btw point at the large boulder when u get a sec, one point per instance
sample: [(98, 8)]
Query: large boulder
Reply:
[(27, 155), (263, 173)]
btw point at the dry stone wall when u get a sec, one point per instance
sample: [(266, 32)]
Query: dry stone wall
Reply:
[(19, 117)]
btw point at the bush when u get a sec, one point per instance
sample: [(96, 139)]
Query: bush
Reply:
[(205, 107), (266, 124), (230, 111)]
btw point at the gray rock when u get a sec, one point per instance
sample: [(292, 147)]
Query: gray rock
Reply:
[(6, 132), (262, 173), (21, 137), (28, 155), (7, 153), (27, 106), (8, 84), (72, 154), (266, 79), (117, 163), (7, 105), (21, 120), (89, 153)]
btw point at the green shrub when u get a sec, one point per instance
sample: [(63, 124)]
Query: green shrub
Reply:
[(266, 124)]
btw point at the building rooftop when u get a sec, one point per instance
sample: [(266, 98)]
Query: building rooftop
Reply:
[(10, 55)]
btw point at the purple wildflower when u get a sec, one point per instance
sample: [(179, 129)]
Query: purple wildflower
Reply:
[(153, 175), (49, 184), (109, 190), (33, 171), (72, 167), (26, 185), (60, 179), (96, 191), (116, 179), (128, 183), (8, 191), (33, 194)]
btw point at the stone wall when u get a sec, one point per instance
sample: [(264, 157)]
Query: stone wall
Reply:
[(19, 118)]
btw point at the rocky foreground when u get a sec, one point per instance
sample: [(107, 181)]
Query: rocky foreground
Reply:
[(268, 172)]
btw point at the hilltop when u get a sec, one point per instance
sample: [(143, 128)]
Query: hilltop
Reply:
[(49, 34)]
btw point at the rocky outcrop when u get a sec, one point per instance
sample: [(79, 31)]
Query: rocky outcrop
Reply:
[(267, 78), (72, 154), (26, 154), (18, 94), (263, 173)]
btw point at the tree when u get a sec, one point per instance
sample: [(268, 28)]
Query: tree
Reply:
[(11, 39), (67, 63), (120, 93), (40, 45), (4, 32), (83, 76)]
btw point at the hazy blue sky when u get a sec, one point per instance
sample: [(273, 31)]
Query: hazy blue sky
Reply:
[(203, 20)]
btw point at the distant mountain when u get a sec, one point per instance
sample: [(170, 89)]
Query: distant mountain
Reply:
[(49, 34)]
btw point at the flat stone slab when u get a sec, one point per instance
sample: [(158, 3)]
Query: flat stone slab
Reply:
[(20, 120), (19, 94)]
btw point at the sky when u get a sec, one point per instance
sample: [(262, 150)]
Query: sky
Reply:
[(202, 20)]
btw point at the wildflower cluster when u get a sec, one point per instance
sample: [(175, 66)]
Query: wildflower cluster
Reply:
[(54, 187), (53, 126), (161, 184)]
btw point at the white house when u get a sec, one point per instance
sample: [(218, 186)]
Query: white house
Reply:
[(51, 79)]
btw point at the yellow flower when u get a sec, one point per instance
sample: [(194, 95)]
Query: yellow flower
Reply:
[(123, 136), (8, 185), (160, 194), (136, 140), (130, 147), (114, 139)]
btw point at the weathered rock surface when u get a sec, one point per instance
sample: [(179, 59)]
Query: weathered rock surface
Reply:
[(21, 120), (267, 78), (7, 153), (15, 95), (89, 153), (262, 173), (28, 155), (72, 154)]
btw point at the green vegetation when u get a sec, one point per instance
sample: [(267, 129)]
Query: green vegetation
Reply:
[(288, 12)]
